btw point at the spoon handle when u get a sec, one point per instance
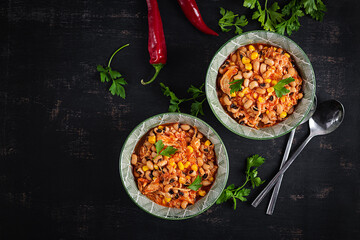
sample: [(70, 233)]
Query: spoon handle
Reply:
[(273, 181), (275, 193)]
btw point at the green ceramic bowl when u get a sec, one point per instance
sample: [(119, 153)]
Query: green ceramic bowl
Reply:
[(306, 71), (149, 206)]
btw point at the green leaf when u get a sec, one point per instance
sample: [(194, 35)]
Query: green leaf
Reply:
[(107, 74), (159, 145), (117, 89), (196, 108), (249, 3), (104, 77), (100, 68), (170, 150), (114, 74), (195, 92), (196, 184), (236, 85), (255, 161), (227, 20), (279, 88)]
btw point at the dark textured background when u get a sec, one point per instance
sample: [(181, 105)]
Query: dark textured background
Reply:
[(61, 131)]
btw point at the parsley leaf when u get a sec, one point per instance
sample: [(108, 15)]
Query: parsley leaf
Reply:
[(279, 88), (159, 145), (198, 96), (249, 3), (196, 184), (241, 193), (228, 18), (315, 8), (168, 151), (107, 75), (268, 17), (236, 85), (286, 20)]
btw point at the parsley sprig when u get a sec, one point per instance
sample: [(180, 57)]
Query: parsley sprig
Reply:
[(168, 151), (198, 98), (236, 85), (240, 193), (279, 88), (196, 184), (228, 18), (272, 17), (107, 74)]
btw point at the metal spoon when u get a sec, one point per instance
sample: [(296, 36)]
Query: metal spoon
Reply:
[(275, 193), (328, 117)]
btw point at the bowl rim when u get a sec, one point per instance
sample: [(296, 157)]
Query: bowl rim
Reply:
[(244, 135), (226, 163)]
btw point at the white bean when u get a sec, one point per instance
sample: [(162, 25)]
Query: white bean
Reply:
[(248, 74), (253, 84), (263, 67), (248, 104), (134, 159)]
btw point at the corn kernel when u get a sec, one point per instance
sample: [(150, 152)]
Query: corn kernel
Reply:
[(270, 89), (190, 149), (188, 177), (245, 60), (251, 48), (182, 180), (246, 90), (156, 167), (261, 100), (194, 167), (267, 112), (241, 94), (255, 95), (187, 164), (160, 127), (152, 139), (268, 80), (145, 168), (283, 99), (163, 201), (286, 54), (171, 162), (283, 114), (167, 199), (207, 143), (254, 55), (181, 165), (211, 179), (248, 96), (202, 193), (248, 66), (233, 94), (232, 64), (275, 48), (273, 82), (154, 178)]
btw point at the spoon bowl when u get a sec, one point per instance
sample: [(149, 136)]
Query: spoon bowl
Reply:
[(328, 117)]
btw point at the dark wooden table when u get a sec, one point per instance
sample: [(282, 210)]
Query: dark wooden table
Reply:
[(61, 130)]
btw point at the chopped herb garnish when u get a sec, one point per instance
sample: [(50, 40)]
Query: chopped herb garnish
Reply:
[(196, 184), (168, 151), (236, 85), (279, 88)]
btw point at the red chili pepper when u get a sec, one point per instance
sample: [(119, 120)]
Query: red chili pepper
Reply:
[(192, 13), (156, 42)]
